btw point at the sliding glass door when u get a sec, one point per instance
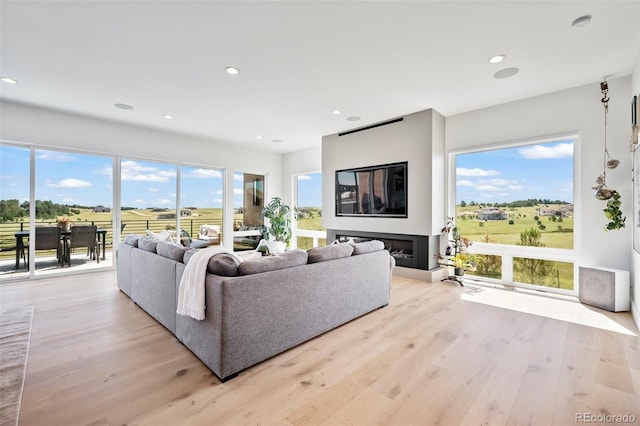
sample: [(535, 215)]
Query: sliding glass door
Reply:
[(48, 198)]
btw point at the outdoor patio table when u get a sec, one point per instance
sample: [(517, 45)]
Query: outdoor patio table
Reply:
[(21, 235)]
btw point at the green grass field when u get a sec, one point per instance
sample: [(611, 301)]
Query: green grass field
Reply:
[(557, 234)]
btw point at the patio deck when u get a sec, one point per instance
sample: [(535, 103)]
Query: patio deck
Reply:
[(48, 265)]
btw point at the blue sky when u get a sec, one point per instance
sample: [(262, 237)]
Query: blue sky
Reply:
[(533, 171), (70, 178)]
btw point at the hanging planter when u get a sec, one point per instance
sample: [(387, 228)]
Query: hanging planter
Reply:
[(613, 213), (602, 192)]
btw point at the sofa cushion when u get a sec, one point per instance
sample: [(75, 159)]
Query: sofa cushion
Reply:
[(170, 250), (148, 244), (285, 260), (132, 240), (330, 252), (367, 247), (223, 264)]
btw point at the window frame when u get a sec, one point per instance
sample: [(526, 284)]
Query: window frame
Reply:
[(508, 252)]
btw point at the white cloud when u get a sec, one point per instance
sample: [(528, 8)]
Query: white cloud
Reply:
[(238, 191), (464, 183), (153, 190), (204, 173), (217, 200), (69, 183), (461, 171), (515, 187), (304, 177), (134, 171), (238, 176), (538, 152)]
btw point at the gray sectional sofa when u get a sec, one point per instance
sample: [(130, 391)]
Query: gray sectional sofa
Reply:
[(261, 308)]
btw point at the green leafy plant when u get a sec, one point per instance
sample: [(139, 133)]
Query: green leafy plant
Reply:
[(280, 216), (613, 213)]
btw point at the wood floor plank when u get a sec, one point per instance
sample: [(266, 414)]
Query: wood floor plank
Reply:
[(438, 354)]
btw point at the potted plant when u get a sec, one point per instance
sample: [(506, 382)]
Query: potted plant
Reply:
[(64, 223), (459, 262), (279, 228)]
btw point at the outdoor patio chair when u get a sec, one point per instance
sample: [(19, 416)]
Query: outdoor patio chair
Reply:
[(83, 236), (47, 238)]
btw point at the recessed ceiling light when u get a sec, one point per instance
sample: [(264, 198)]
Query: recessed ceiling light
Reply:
[(506, 73), (123, 106), (582, 21), (258, 137), (168, 117), (8, 80), (353, 118), (232, 70), (336, 112), (276, 140), (495, 59)]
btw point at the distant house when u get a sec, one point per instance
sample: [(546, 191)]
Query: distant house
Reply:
[(101, 209), (557, 211), (491, 213)]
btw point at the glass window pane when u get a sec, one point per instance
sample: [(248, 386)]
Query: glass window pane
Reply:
[(201, 200), (311, 233), (546, 273), (14, 209), (75, 189), (486, 266), (148, 197), (502, 192)]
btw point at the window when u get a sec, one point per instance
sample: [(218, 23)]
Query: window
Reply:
[(310, 231), (66, 184), (516, 203), (148, 196)]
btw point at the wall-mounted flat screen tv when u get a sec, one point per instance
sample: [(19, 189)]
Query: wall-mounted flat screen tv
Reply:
[(378, 191)]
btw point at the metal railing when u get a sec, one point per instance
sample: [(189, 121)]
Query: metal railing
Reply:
[(191, 225)]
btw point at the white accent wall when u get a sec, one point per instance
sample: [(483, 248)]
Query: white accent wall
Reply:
[(418, 139), (578, 109), (27, 124), (635, 256)]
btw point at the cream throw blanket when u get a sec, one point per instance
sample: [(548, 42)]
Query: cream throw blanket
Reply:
[(191, 291)]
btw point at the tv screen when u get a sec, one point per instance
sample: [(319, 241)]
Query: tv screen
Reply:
[(372, 191)]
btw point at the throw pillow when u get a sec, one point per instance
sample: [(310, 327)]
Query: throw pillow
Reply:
[(288, 259), (170, 250), (132, 240), (148, 244), (330, 252), (223, 264)]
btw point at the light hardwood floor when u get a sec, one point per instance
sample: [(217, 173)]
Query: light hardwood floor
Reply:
[(438, 354)]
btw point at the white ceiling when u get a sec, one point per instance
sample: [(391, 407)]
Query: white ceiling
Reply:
[(299, 61)]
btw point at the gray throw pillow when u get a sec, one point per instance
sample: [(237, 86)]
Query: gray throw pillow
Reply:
[(285, 260), (367, 247), (170, 250), (148, 244), (330, 252), (132, 240), (223, 264)]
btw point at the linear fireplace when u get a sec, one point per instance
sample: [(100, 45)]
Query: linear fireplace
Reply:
[(411, 251)]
